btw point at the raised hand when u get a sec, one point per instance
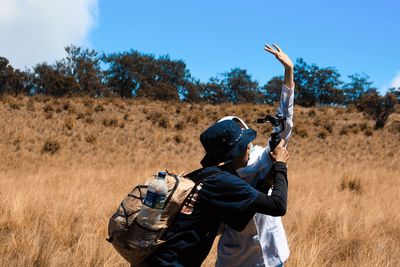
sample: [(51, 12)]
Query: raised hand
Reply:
[(280, 55), (280, 153), (285, 61)]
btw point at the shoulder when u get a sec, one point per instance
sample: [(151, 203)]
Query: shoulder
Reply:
[(224, 172), (225, 189), (220, 178), (226, 182)]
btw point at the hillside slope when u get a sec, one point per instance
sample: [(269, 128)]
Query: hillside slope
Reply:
[(66, 163)]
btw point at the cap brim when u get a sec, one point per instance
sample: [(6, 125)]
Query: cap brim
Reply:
[(248, 136), (211, 160)]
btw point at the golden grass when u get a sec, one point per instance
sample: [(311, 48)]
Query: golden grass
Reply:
[(343, 184)]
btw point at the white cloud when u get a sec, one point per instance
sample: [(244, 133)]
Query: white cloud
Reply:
[(396, 81), (34, 31)]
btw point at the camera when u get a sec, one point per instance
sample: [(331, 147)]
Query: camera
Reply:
[(278, 122)]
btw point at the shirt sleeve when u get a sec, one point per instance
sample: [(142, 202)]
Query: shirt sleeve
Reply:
[(232, 197), (227, 192), (276, 203), (286, 108), (261, 164), (238, 201)]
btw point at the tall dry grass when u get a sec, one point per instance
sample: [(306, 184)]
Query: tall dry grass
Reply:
[(66, 164)]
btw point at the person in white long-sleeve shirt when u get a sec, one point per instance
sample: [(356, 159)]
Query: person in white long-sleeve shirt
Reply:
[(263, 241)]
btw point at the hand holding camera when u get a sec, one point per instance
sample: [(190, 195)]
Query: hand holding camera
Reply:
[(280, 153)]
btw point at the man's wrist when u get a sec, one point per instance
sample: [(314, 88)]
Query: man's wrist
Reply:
[(279, 166)]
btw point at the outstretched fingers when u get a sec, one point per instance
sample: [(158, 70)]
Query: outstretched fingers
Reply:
[(277, 48), (269, 49), (267, 46)]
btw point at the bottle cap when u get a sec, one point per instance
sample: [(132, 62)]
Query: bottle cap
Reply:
[(162, 174)]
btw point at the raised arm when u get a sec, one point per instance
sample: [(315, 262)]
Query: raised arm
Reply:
[(260, 162), (286, 62), (287, 93)]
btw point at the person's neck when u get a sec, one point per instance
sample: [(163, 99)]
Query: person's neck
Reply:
[(229, 166), (238, 164)]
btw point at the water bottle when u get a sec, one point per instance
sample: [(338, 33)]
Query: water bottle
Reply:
[(151, 210)]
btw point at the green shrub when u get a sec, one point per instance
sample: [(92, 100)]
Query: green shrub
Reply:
[(344, 130), (48, 108), (30, 105), (303, 133), (328, 126), (69, 124), (14, 105), (99, 108), (317, 122), (80, 115), (178, 138), (89, 120), (51, 146), (180, 125), (67, 106), (322, 135), (110, 122), (368, 132), (351, 183), (377, 107), (192, 119), (90, 139), (159, 118)]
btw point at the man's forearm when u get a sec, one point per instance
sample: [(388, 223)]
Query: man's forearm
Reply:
[(276, 204), (289, 77)]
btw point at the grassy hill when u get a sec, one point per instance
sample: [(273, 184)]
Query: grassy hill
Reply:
[(66, 164)]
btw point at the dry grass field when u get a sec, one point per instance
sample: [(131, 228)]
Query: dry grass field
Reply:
[(66, 163)]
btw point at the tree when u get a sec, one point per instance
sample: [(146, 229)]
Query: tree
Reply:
[(19, 82), (6, 71), (377, 107), (84, 66), (396, 93), (120, 75), (240, 88), (316, 85), (133, 74), (272, 89), (359, 84), (164, 79), (304, 78), (13, 81), (50, 81), (327, 83), (213, 91), (192, 91)]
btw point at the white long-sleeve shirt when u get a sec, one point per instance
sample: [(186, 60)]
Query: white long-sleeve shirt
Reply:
[(263, 241)]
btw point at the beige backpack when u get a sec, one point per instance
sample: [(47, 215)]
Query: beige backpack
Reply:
[(123, 229)]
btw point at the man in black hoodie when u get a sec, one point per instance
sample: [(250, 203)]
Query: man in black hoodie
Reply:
[(220, 196)]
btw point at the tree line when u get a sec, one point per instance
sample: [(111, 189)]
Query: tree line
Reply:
[(133, 74)]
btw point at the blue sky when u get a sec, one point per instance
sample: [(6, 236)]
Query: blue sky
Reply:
[(212, 36)]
